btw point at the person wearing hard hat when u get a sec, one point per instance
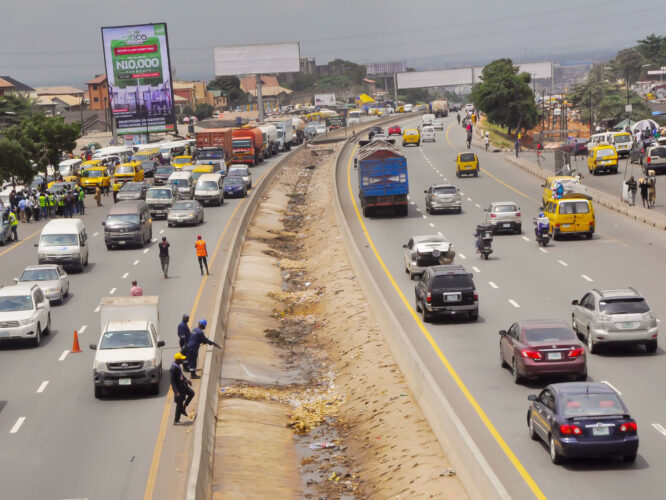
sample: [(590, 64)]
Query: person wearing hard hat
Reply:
[(196, 339), (182, 392)]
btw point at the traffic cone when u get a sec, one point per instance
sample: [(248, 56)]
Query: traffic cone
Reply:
[(75, 345)]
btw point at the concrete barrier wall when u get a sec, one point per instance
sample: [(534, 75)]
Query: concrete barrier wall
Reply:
[(474, 471)]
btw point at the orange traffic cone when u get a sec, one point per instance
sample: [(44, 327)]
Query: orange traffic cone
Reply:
[(75, 345)]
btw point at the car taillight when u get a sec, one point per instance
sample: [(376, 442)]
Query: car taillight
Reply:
[(526, 353), (518, 214), (557, 224), (574, 353), (629, 427), (570, 429), (429, 297), (492, 216), (476, 295), (649, 160), (591, 223)]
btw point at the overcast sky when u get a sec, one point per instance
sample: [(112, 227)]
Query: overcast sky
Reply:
[(46, 42)]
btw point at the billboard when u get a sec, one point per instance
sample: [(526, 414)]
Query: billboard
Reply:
[(324, 100), (257, 59), (385, 68), (437, 78), (138, 72), (537, 70)]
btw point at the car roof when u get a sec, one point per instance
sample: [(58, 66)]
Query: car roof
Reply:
[(18, 289), (500, 203), (541, 323), (447, 269), (618, 293), (56, 226), (427, 237), (127, 207), (581, 388), (41, 266), (442, 184)]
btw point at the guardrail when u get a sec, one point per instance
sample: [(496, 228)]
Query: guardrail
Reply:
[(474, 471)]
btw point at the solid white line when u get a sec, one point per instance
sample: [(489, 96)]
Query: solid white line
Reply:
[(95, 234), (526, 238), (97, 309), (476, 269), (492, 284), (63, 355), (477, 205), (17, 425), (462, 256), (543, 250), (563, 263), (431, 224), (146, 250), (161, 231), (136, 262), (611, 386), (112, 291), (42, 386), (514, 303), (82, 329), (125, 275), (586, 278), (660, 429)]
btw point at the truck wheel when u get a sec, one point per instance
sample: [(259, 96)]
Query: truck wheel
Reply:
[(99, 392), (367, 211)]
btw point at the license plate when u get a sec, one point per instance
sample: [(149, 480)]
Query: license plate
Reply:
[(600, 431), (566, 225), (125, 381), (452, 297), (506, 225), (4, 334), (628, 325), (121, 242), (554, 355)]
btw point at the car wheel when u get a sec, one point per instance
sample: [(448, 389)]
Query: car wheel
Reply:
[(38, 336), (651, 346), (428, 209), (459, 210), (517, 377), (66, 294), (503, 363), (425, 315), (476, 173), (574, 327), (629, 458), (588, 236), (47, 330), (519, 229), (109, 247), (530, 425), (154, 390), (86, 262), (473, 315), (555, 456), (99, 392), (591, 344)]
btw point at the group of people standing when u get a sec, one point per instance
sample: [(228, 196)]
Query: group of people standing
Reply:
[(647, 186)]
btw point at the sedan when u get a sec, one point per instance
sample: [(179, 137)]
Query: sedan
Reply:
[(162, 175), (243, 172), (426, 251), (537, 348), (575, 146), (504, 216), (234, 187), (185, 212), (51, 278), (438, 124), (581, 419), (320, 129), (442, 197), (133, 191), (394, 130)]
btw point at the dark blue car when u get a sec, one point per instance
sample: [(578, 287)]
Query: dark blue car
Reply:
[(580, 419), (234, 187)]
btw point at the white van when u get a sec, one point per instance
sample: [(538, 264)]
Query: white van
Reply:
[(70, 167), (209, 189), (184, 184), (428, 119), (596, 139), (64, 242), (354, 117)]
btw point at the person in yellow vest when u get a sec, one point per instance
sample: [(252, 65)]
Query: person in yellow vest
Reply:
[(13, 222), (52, 204), (43, 205), (116, 188), (202, 254)]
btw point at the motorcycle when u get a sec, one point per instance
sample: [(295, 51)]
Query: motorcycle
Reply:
[(542, 237), (484, 240)]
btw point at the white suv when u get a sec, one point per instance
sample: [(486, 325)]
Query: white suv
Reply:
[(25, 313)]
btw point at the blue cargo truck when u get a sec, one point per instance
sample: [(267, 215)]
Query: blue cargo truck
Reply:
[(382, 177)]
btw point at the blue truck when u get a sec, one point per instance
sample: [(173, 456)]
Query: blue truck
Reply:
[(382, 177)]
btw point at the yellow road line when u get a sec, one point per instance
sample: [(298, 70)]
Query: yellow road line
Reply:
[(19, 243), (449, 368), (159, 444)]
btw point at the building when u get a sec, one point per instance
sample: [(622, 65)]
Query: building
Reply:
[(59, 99), (98, 93), (9, 86), (271, 92), (192, 94)]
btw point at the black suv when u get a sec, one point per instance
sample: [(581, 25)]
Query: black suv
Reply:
[(446, 290)]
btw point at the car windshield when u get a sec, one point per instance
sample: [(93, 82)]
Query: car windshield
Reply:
[(39, 275), (505, 208), (245, 143), (233, 181), (467, 157), (622, 138), (124, 170), (131, 186), (574, 207), (162, 194), (181, 161), (127, 218), (591, 404), (92, 173), (148, 164), (125, 339), (548, 334), (237, 171), (184, 205), (65, 169), (444, 190), (207, 185), (165, 170), (16, 303), (213, 154), (452, 281), (140, 157), (54, 240), (624, 306), (603, 153), (165, 150)]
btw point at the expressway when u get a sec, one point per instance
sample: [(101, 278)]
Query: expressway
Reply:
[(60, 442), (520, 281)]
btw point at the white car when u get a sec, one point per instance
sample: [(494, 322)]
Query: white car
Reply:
[(25, 313), (426, 251), (409, 108), (438, 124), (320, 129), (428, 134), (51, 278)]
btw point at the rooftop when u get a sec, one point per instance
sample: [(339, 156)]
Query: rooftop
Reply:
[(58, 90), (98, 80)]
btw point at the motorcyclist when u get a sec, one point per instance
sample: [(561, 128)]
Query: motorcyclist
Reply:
[(542, 225), (479, 234)]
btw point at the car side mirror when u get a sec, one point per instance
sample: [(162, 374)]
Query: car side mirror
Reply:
[(502, 332), (103, 223), (470, 275), (16, 280), (161, 343), (93, 347), (574, 302), (532, 397), (41, 305)]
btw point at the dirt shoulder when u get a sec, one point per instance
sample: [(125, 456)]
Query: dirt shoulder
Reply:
[(312, 403)]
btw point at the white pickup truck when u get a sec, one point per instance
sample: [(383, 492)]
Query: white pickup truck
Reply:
[(129, 351)]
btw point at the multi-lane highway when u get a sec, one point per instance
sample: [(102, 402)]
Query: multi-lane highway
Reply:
[(57, 440), (521, 281)]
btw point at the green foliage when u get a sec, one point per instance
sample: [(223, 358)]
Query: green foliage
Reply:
[(15, 108), (608, 102), (204, 111), (344, 74), (301, 82), (505, 96), (333, 82), (230, 85), (187, 111), (653, 48), (14, 161)]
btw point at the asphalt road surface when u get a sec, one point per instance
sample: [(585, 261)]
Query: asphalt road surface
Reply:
[(523, 281), (57, 440)]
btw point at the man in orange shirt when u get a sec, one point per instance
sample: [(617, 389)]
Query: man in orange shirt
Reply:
[(202, 254)]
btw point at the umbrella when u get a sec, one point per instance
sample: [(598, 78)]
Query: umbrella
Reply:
[(643, 124)]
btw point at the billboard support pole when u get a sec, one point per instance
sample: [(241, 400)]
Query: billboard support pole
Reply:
[(395, 88), (260, 99)]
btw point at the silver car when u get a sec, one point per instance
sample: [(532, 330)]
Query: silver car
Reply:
[(185, 212), (425, 251), (655, 159), (51, 278), (442, 197), (504, 216), (619, 316)]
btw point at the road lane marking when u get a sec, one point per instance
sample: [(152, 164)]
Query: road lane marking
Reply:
[(125, 275), (136, 262), (514, 303), (492, 284), (424, 216), (563, 263), (154, 240), (543, 250), (462, 194), (412, 203), (96, 309), (439, 233), (161, 231), (112, 291), (431, 224), (63, 355), (418, 209), (611, 386), (20, 242), (520, 468), (17, 425), (660, 429), (469, 199), (42, 386), (146, 250), (82, 329), (477, 205), (586, 278), (96, 234), (462, 256), (476, 269), (526, 238)]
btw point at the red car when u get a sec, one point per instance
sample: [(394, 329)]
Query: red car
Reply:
[(394, 130), (538, 348)]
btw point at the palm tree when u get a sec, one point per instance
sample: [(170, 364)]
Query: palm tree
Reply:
[(14, 108)]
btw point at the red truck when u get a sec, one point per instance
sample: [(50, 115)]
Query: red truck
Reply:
[(248, 146), (215, 147)]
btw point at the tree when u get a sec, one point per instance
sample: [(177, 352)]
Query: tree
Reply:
[(653, 48), (15, 108), (505, 96), (230, 85), (203, 111), (606, 102), (14, 161)]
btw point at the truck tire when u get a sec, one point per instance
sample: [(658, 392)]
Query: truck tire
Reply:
[(368, 211)]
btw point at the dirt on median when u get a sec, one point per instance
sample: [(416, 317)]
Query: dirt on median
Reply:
[(312, 403)]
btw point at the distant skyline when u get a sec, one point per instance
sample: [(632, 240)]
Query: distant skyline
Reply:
[(63, 42)]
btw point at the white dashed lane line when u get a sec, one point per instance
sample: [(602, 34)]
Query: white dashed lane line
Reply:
[(543, 250), (461, 255), (112, 291), (418, 209), (82, 329), (526, 238), (95, 234), (154, 240), (477, 205), (492, 284), (469, 199), (161, 231), (611, 386), (424, 216), (136, 262), (146, 250), (63, 355), (125, 275), (412, 203), (660, 429), (17, 425), (42, 386), (476, 269), (514, 303), (586, 278), (563, 263)]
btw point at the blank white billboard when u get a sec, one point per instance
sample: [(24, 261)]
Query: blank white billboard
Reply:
[(437, 78), (537, 70), (257, 59)]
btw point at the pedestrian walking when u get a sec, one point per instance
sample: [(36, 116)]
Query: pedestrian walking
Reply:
[(652, 187), (28, 207), (21, 209), (13, 223), (517, 146), (202, 254), (98, 196), (181, 387), (196, 339), (136, 290), (643, 187), (633, 187), (164, 256), (116, 188)]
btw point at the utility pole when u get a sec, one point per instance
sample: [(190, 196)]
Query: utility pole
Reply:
[(590, 110), (260, 99)]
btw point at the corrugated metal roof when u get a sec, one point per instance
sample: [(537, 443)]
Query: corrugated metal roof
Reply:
[(18, 86), (99, 79)]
